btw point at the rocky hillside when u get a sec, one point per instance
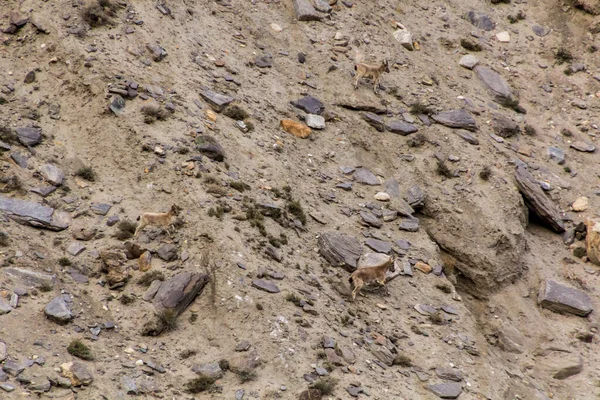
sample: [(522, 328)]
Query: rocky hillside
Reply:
[(468, 177)]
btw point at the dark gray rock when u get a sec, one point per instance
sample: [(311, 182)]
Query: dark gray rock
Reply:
[(29, 77), (210, 147), (19, 159), (208, 370), (265, 286), (265, 61), (78, 373), (244, 345), (460, 119), (415, 197), (347, 186), (52, 174), (305, 11), (370, 219), (5, 307), (328, 342), (584, 147), (374, 120), (158, 52), (59, 311), (75, 248), (449, 374), (12, 367), (129, 386), (340, 250), (358, 104), (30, 278), (401, 127), (366, 177), (309, 104), (392, 187), (216, 101), (564, 299), (167, 252), (29, 136), (379, 246), (557, 154), (480, 20), (7, 387), (409, 224), (383, 354), (505, 127), (537, 201), (44, 191), (34, 214), (540, 30), (466, 136), (117, 105), (449, 390), (100, 209), (272, 252), (112, 220), (494, 83)]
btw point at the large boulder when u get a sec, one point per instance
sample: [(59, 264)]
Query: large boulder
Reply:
[(340, 250), (564, 299), (34, 214), (483, 246), (59, 311)]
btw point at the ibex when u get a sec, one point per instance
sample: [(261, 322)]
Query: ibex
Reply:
[(370, 71), (158, 219), (366, 275)]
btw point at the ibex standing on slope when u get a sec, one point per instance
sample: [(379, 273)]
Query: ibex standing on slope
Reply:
[(370, 71), (158, 219)]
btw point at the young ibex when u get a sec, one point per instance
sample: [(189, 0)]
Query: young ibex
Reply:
[(370, 71), (158, 219), (366, 275)]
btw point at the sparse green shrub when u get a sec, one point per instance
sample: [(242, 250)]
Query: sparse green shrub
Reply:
[(64, 262), (246, 376), (402, 360), (295, 208), (149, 277), (239, 186), (168, 319), (485, 173), (125, 229), (293, 298), (79, 349), (444, 170), (562, 56), (471, 45), (420, 109), (325, 386), (199, 384), (530, 130), (417, 140), (4, 239), (86, 173), (99, 12)]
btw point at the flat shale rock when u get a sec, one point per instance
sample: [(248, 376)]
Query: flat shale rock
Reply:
[(379, 246), (29, 136), (366, 177), (209, 370), (356, 104), (78, 373), (494, 83), (5, 307), (59, 311), (449, 390), (370, 219), (178, 292), (560, 364), (584, 147), (505, 127), (34, 214), (401, 127), (374, 120), (210, 147), (537, 201), (309, 104), (305, 11), (265, 286), (563, 299), (480, 20), (29, 278), (340, 250), (467, 137), (216, 101), (458, 119)]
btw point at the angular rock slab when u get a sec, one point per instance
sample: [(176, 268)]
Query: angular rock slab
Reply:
[(28, 277), (494, 83), (59, 311), (77, 373), (29, 136), (309, 104), (216, 101), (305, 11), (178, 292), (374, 120), (449, 390), (401, 127), (374, 260), (35, 214), (366, 177), (457, 119), (52, 174), (265, 286), (480, 20), (340, 250), (537, 201), (560, 365), (564, 299)]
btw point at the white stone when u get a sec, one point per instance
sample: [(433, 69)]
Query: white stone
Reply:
[(469, 61), (503, 37), (315, 121), (382, 196), (405, 38), (276, 28)]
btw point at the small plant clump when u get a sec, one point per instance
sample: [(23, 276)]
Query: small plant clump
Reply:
[(7, 135), (64, 262), (127, 299), (530, 130), (293, 298), (125, 229), (444, 287), (470, 45), (236, 112), (402, 360), (154, 112), (168, 319), (79, 349), (200, 384), (3, 239), (185, 354), (99, 12), (45, 287), (325, 386), (239, 186), (246, 376), (417, 140), (444, 170), (295, 208), (513, 104), (420, 109), (485, 173), (149, 277), (278, 242), (86, 173), (11, 184), (562, 56), (216, 212)]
